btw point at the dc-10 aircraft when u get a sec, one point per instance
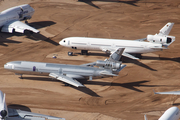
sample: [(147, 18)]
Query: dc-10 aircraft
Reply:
[(13, 114), (67, 73), (172, 113), (156, 42), (10, 19)]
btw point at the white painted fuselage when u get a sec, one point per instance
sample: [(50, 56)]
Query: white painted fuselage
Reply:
[(101, 44)]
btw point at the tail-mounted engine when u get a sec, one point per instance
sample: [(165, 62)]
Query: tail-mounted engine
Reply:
[(108, 64), (163, 39)]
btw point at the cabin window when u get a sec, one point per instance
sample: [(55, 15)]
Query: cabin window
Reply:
[(64, 41)]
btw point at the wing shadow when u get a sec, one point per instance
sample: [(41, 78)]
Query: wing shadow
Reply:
[(82, 89), (89, 2), (34, 36), (130, 85), (18, 107)]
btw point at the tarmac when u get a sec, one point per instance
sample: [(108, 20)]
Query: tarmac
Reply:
[(125, 97)]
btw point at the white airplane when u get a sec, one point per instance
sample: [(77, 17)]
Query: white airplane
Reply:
[(172, 113), (10, 19), (13, 114), (156, 42)]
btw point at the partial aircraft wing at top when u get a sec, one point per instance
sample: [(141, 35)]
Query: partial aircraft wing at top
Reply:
[(30, 116), (168, 93), (18, 27)]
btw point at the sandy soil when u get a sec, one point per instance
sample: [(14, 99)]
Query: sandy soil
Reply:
[(126, 97)]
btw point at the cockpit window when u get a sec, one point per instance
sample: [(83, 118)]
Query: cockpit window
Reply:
[(64, 41)]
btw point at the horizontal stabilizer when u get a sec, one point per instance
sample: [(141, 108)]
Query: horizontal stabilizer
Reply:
[(106, 73), (122, 67), (66, 79), (129, 56), (142, 39)]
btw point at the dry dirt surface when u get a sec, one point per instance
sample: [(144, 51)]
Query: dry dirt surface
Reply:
[(126, 97)]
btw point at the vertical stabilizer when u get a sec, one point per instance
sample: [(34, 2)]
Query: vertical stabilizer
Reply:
[(166, 29), (116, 56)]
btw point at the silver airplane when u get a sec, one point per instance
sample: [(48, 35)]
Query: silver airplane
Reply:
[(70, 73), (13, 114)]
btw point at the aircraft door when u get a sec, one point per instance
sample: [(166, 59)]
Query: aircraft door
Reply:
[(60, 70)]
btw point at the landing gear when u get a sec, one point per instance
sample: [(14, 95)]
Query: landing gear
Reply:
[(84, 52), (26, 21), (70, 53), (21, 77)]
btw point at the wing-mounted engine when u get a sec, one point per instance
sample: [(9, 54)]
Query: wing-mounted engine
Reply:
[(162, 39), (108, 64)]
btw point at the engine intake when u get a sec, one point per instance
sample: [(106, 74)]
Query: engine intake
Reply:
[(108, 64)]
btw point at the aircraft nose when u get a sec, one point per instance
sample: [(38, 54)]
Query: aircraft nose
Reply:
[(62, 42)]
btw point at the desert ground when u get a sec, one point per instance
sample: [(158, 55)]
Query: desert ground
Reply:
[(126, 97)]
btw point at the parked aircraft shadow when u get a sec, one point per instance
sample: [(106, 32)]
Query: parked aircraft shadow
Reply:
[(176, 59), (87, 91), (82, 89), (19, 107), (89, 2), (41, 24), (2, 42), (130, 85), (128, 60)]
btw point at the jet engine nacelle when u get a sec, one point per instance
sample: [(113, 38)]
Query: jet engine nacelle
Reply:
[(108, 64), (165, 40)]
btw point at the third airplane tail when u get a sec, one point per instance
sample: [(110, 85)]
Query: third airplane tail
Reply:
[(162, 37)]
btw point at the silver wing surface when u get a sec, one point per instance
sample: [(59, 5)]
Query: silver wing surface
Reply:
[(66, 79), (24, 115), (18, 26), (168, 93)]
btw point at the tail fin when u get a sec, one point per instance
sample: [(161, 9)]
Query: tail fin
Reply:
[(116, 56), (166, 29)]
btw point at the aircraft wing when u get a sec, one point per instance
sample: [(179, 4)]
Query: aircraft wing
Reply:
[(18, 26), (66, 79), (13, 113), (168, 93)]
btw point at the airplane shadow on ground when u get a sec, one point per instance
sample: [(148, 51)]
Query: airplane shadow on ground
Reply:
[(89, 2), (82, 89), (19, 107), (34, 36), (129, 85)]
